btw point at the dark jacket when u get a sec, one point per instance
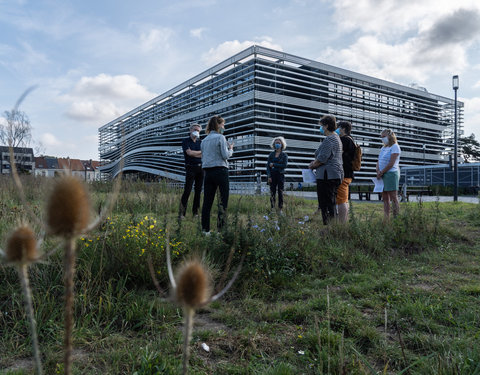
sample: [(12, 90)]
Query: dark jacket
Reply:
[(279, 164), (347, 155)]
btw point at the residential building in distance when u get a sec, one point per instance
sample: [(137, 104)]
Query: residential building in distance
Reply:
[(87, 170), (23, 156), (263, 93)]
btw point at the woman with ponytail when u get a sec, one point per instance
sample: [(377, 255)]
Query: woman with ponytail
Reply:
[(215, 153)]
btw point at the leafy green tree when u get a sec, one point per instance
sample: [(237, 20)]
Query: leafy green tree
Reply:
[(470, 148)]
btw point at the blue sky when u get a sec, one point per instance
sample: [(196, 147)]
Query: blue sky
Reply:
[(95, 60)]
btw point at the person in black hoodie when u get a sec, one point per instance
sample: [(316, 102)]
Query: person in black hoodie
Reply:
[(276, 164), (347, 155)]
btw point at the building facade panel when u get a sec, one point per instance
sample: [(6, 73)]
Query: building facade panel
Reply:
[(262, 93)]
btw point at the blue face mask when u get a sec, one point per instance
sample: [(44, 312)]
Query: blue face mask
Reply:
[(323, 133), (278, 146), (221, 130)]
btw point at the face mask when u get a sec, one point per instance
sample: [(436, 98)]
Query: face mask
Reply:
[(278, 146), (337, 131), (196, 134), (385, 140), (321, 130), (221, 130)]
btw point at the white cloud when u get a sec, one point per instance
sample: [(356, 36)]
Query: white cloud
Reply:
[(411, 41), (229, 48), (392, 17), (399, 62), (155, 38), (101, 98), (476, 85), (49, 140), (198, 33)]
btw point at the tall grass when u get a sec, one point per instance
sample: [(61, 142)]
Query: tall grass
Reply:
[(278, 302)]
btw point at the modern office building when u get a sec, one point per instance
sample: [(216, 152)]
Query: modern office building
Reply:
[(262, 93)]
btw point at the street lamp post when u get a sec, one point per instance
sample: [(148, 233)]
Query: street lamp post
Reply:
[(455, 85)]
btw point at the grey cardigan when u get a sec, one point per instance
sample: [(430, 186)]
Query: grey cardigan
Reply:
[(329, 153), (215, 151)]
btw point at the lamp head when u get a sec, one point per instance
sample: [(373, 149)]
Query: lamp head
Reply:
[(455, 82)]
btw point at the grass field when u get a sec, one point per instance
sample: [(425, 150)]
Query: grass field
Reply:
[(398, 298)]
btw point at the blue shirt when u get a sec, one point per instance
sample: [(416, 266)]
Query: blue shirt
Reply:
[(215, 151), (385, 155)]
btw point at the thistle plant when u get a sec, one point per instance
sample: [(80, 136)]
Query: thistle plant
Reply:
[(68, 217), (192, 289), (21, 251)]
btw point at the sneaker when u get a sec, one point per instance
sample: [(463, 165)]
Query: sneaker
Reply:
[(206, 234)]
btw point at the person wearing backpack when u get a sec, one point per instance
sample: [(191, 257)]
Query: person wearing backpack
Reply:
[(348, 156)]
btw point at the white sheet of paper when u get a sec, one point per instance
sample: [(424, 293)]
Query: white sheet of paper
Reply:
[(308, 175), (378, 185)]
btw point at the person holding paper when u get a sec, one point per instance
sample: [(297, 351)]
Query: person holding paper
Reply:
[(276, 164), (388, 170), (328, 166)]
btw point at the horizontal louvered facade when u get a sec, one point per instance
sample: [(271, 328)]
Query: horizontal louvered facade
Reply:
[(262, 93)]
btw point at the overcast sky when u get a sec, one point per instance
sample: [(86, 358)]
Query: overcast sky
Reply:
[(92, 61)]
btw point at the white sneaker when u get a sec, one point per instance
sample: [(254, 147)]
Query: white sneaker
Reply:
[(206, 234)]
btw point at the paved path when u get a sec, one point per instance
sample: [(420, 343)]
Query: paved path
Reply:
[(354, 196)]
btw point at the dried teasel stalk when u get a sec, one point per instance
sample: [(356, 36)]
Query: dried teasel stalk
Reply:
[(21, 251), (193, 291), (68, 208), (68, 214)]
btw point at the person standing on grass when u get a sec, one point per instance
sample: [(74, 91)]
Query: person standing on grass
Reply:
[(276, 164), (328, 167), (215, 153), (389, 171), (193, 170), (348, 146)]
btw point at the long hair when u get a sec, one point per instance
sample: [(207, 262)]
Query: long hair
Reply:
[(214, 123), (392, 138)]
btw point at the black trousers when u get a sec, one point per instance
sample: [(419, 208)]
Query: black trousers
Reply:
[(193, 174), (216, 177), (326, 194), (277, 184)]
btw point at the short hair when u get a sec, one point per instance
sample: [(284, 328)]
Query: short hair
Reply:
[(330, 122), (281, 139), (392, 138), (214, 124), (195, 124), (346, 126)]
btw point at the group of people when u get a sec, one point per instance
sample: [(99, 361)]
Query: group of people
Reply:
[(206, 164)]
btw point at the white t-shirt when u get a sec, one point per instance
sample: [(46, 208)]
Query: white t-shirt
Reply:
[(385, 155)]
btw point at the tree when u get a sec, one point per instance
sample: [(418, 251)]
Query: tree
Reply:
[(16, 129), (470, 149)]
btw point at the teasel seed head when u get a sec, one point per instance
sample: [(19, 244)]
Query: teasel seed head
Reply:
[(22, 246), (193, 284), (68, 207)]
